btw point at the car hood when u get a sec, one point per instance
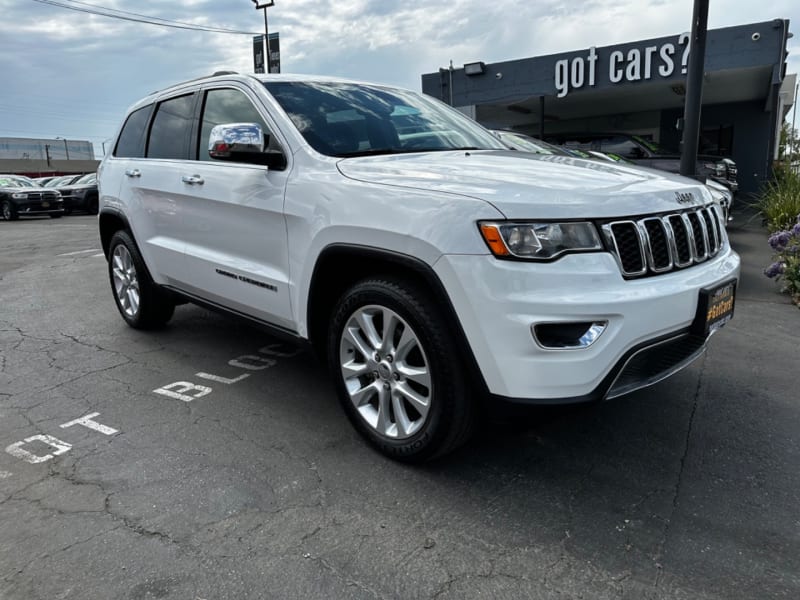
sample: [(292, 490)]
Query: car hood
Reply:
[(73, 188), (524, 185)]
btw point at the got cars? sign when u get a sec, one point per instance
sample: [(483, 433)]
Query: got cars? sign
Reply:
[(636, 64)]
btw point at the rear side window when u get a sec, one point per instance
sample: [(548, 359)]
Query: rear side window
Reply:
[(169, 134), (131, 139)]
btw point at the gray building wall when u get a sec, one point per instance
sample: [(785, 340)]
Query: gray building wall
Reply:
[(37, 149)]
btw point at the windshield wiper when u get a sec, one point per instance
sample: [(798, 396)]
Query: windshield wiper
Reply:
[(379, 151)]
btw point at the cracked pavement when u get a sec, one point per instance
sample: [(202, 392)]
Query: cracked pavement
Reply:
[(261, 489)]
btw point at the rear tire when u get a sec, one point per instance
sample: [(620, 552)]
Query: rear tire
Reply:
[(141, 302), (398, 375)]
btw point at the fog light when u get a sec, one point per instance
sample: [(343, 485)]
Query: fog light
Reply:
[(568, 336)]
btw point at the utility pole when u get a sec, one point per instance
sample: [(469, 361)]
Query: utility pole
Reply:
[(264, 6), (793, 137), (66, 149), (694, 89), (47, 153)]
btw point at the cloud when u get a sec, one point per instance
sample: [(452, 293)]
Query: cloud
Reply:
[(72, 74)]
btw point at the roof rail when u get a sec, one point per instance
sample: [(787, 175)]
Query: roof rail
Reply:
[(215, 74)]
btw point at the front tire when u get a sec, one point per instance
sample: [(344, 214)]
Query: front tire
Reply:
[(140, 301), (397, 373), (9, 212), (92, 204)]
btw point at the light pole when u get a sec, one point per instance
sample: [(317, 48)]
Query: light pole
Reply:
[(66, 149), (264, 6)]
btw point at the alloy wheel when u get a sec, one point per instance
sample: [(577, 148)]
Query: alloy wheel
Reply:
[(126, 281), (386, 372)]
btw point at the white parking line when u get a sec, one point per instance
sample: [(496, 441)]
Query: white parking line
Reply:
[(5, 474), (80, 252), (99, 254)]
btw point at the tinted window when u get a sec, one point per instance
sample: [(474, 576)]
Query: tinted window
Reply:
[(130, 143), (225, 106), (171, 126)]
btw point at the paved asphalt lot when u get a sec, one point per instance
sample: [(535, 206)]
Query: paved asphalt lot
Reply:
[(261, 489)]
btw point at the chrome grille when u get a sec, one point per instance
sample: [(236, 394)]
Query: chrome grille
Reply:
[(663, 243)]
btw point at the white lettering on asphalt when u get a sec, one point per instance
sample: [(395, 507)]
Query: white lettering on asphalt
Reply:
[(219, 379), (5, 474), (17, 449), (183, 386), (79, 252), (87, 422), (251, 362)]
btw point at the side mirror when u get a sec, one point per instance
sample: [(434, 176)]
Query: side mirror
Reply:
[(229, 139), (243, 142)]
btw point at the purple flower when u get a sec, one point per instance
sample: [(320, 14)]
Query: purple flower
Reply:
[(796, 229), (779, 240), (774, 269)]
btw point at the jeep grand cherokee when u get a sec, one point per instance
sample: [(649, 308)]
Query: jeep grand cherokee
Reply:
[(428, 264)]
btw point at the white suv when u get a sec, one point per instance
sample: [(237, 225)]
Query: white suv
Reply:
[(430, 266)]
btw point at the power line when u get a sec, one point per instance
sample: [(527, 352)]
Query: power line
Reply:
[(138, 18)]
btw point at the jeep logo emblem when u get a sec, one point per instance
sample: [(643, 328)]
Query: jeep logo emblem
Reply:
[(684, 197)]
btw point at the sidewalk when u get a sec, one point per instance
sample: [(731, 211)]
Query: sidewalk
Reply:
[(749, 238)]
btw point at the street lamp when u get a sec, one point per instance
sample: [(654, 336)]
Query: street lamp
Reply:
[(259, 6), (66, 150)]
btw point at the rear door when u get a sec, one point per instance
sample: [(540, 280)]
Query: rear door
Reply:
[(154, 193), (232, 217)]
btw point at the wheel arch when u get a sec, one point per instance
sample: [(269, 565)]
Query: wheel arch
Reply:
[(340, 266), (112, 221)]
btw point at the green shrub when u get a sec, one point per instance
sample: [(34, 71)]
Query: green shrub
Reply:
[(779, 203)]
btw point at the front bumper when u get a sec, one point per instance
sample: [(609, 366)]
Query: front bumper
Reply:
[(74, 201), (39, 208), (497, 303)]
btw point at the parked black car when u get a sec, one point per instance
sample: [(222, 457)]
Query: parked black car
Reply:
[(17, 199), (81, 194), (649, 154)]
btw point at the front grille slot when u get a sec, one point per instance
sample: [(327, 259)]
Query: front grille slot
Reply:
[(663, 243), (629, 247)]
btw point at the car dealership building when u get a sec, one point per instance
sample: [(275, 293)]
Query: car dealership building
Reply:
[(639, 88)]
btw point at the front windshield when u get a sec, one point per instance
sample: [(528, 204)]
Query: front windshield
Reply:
[(654, 147), (348, 119), (8, 182), (88, 178)]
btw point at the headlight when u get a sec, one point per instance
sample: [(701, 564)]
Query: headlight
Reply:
[(19, 195), (539, 241)]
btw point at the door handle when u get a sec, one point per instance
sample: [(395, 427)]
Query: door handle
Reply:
[(133, 173), (192, 179)]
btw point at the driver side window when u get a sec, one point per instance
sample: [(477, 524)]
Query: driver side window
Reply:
[(225, 106)]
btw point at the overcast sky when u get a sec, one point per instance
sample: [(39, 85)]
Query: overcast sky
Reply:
[(70, 74)]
